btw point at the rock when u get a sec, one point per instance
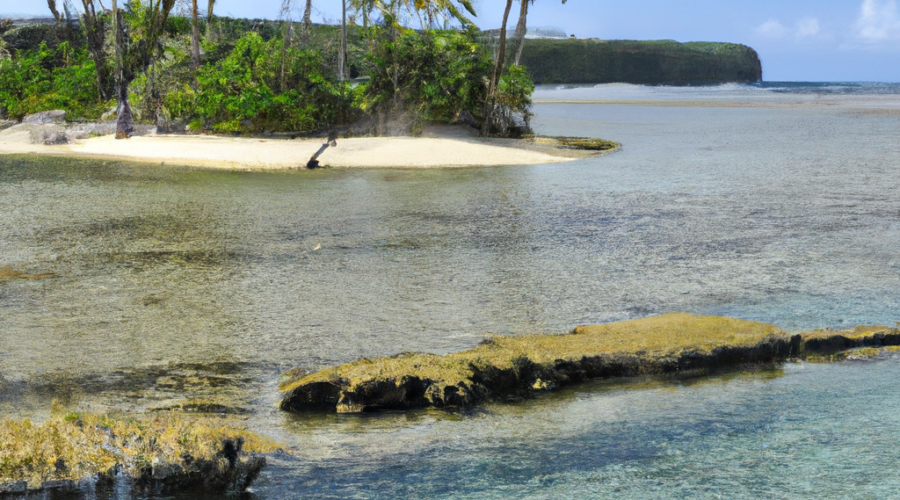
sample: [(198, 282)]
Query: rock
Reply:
[(61, 484), (5, 124), (87, 130), (54, 116), (466, 118), (48, 135), (110, 114), (14, 487)]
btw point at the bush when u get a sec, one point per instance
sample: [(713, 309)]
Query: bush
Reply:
[(440, 74), (45, 79), (240, 93)]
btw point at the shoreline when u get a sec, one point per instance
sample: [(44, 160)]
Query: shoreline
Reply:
[(436, 150)]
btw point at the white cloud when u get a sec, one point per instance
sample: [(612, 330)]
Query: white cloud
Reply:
[(807, 27), (878, 21), (771, 29)]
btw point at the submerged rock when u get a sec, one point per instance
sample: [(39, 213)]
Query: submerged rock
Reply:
[(518, 367)]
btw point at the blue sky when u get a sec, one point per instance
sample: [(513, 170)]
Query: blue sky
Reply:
[(812, 40)]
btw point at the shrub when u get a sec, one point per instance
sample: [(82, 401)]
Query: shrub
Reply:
[(45, 78)]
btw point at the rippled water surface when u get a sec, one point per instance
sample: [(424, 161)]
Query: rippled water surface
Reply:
[(164, 287)]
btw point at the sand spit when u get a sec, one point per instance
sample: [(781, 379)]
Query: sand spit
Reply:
[(241, 153)]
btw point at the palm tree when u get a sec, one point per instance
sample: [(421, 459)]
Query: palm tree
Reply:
[(495, 76)]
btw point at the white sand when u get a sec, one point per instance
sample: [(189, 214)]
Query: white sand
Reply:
[(262, 154)]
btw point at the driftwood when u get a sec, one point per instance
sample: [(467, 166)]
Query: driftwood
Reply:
[(331, 141)]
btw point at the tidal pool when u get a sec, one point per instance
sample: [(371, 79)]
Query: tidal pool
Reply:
[(164, 287)]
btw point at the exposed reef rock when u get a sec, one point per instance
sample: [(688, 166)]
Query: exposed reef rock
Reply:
[(163, 454), (517, 367), (511, 368), (830, 345)]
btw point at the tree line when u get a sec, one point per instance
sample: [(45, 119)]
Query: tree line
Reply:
[(389, 63)]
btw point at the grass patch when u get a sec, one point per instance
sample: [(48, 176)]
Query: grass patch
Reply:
[(580, 143), (535, 361), (78, 446)]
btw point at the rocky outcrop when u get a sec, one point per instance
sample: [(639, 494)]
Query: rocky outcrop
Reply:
[(518, 367), (233, 474), (47, 135), (511, 368), (828, 342), (50, 134), (53, 116), (131, 455)]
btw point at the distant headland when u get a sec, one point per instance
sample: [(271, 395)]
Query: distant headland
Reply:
[(656, 62)]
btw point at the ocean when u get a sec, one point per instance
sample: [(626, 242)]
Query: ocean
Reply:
[(776, 202)]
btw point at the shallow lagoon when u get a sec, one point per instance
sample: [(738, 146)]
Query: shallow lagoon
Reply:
[(188, 288)]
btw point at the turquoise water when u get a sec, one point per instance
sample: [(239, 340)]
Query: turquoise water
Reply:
[(177, 287)]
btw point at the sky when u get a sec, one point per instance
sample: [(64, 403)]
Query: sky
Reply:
[(797, 40)]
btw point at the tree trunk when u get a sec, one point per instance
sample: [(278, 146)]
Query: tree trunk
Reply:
[(286, 7), (52, 5), (124, 119), (495, 78), (521, 30), (307, 13), (209, 12), (342, 59), (395, 78), (195, 36), (95, 34)]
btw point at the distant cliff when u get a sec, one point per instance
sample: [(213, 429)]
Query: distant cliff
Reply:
[(641, 62)]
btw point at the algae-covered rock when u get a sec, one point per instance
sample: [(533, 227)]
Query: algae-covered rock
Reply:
[(829, 342), (163, 453), (516, 367)]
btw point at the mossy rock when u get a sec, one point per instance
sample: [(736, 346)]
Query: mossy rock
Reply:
[(580, 143), (506, 367), (159, 453)]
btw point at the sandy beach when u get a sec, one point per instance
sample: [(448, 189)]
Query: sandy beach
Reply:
[(272, 154)]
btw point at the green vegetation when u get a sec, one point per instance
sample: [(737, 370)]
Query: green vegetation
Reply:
[(48, 78), (640, 62), (504, 366), (253, 76), (79, 446)]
